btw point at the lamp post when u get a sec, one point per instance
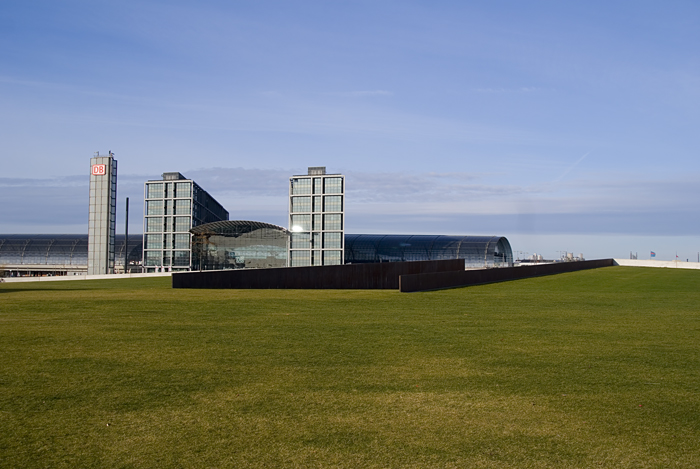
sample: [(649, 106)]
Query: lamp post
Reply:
[(126, 237)]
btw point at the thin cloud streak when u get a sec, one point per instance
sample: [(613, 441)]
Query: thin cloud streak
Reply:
[(568, 170), (400, 201), (524, 89), (366, 93)]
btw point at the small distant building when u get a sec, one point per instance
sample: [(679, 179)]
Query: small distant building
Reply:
[(316, 218), (173, 206), (102, 218), (239, 244)]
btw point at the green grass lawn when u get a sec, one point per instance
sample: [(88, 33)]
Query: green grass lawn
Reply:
[(596, 368)]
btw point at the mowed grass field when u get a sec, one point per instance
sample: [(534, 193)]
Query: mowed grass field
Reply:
[(598, 368)]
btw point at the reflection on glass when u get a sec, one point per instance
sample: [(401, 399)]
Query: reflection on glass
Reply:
[(332, 240), (301, 223), (477, 251), (182, 241), (299, 258), (183, 189), (300, 240), (182, 207), (154, 224), (301, 186), (181, 258), (238, 246), (333, 186), (155, 191), (333, 203), (301, 204), (153, 257), (333, 221), (154, 241), (331, 257), (182, 223), (154, 207)]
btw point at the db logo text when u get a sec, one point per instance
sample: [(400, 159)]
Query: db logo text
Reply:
[(99, 169)]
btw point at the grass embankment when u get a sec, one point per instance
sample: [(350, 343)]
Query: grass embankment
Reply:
[(590, 369)]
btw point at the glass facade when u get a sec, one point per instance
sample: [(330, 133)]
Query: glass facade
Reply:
[(173, 206), (155, 191), (300, 222), (316, 218), (302, 186), (300, 258), (239, 245), (57, 254), (477, 251), (301, 204), (333, 185), (243, 244)]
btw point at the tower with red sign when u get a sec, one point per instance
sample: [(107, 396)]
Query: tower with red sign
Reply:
[(103, 214)]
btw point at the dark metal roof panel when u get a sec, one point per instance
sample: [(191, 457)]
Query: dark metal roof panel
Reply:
[(234, 227)]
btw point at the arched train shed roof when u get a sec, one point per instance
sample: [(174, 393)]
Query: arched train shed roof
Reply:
[(234, 228), (475, 250), (59, 249)]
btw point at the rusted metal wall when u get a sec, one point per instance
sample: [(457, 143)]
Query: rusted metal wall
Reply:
[(349, 276), (440, 280)]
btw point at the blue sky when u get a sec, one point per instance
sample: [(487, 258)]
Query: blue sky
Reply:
[(562, 126)]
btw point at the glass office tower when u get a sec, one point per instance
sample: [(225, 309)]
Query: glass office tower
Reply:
[(102, 218), (316, 218), (172, 206)]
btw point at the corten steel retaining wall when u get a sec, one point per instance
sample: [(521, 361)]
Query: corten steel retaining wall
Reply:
[(440, 280), (383, 275)]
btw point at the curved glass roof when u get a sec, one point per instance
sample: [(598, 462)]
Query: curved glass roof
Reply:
[(477, 251), (59, 249), (233, 227), (238, 244)]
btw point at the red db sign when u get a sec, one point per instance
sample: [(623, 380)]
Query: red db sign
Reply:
[(99, 169)]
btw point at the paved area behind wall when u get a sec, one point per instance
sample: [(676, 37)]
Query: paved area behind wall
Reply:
[(82, 277), (661, 264)]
